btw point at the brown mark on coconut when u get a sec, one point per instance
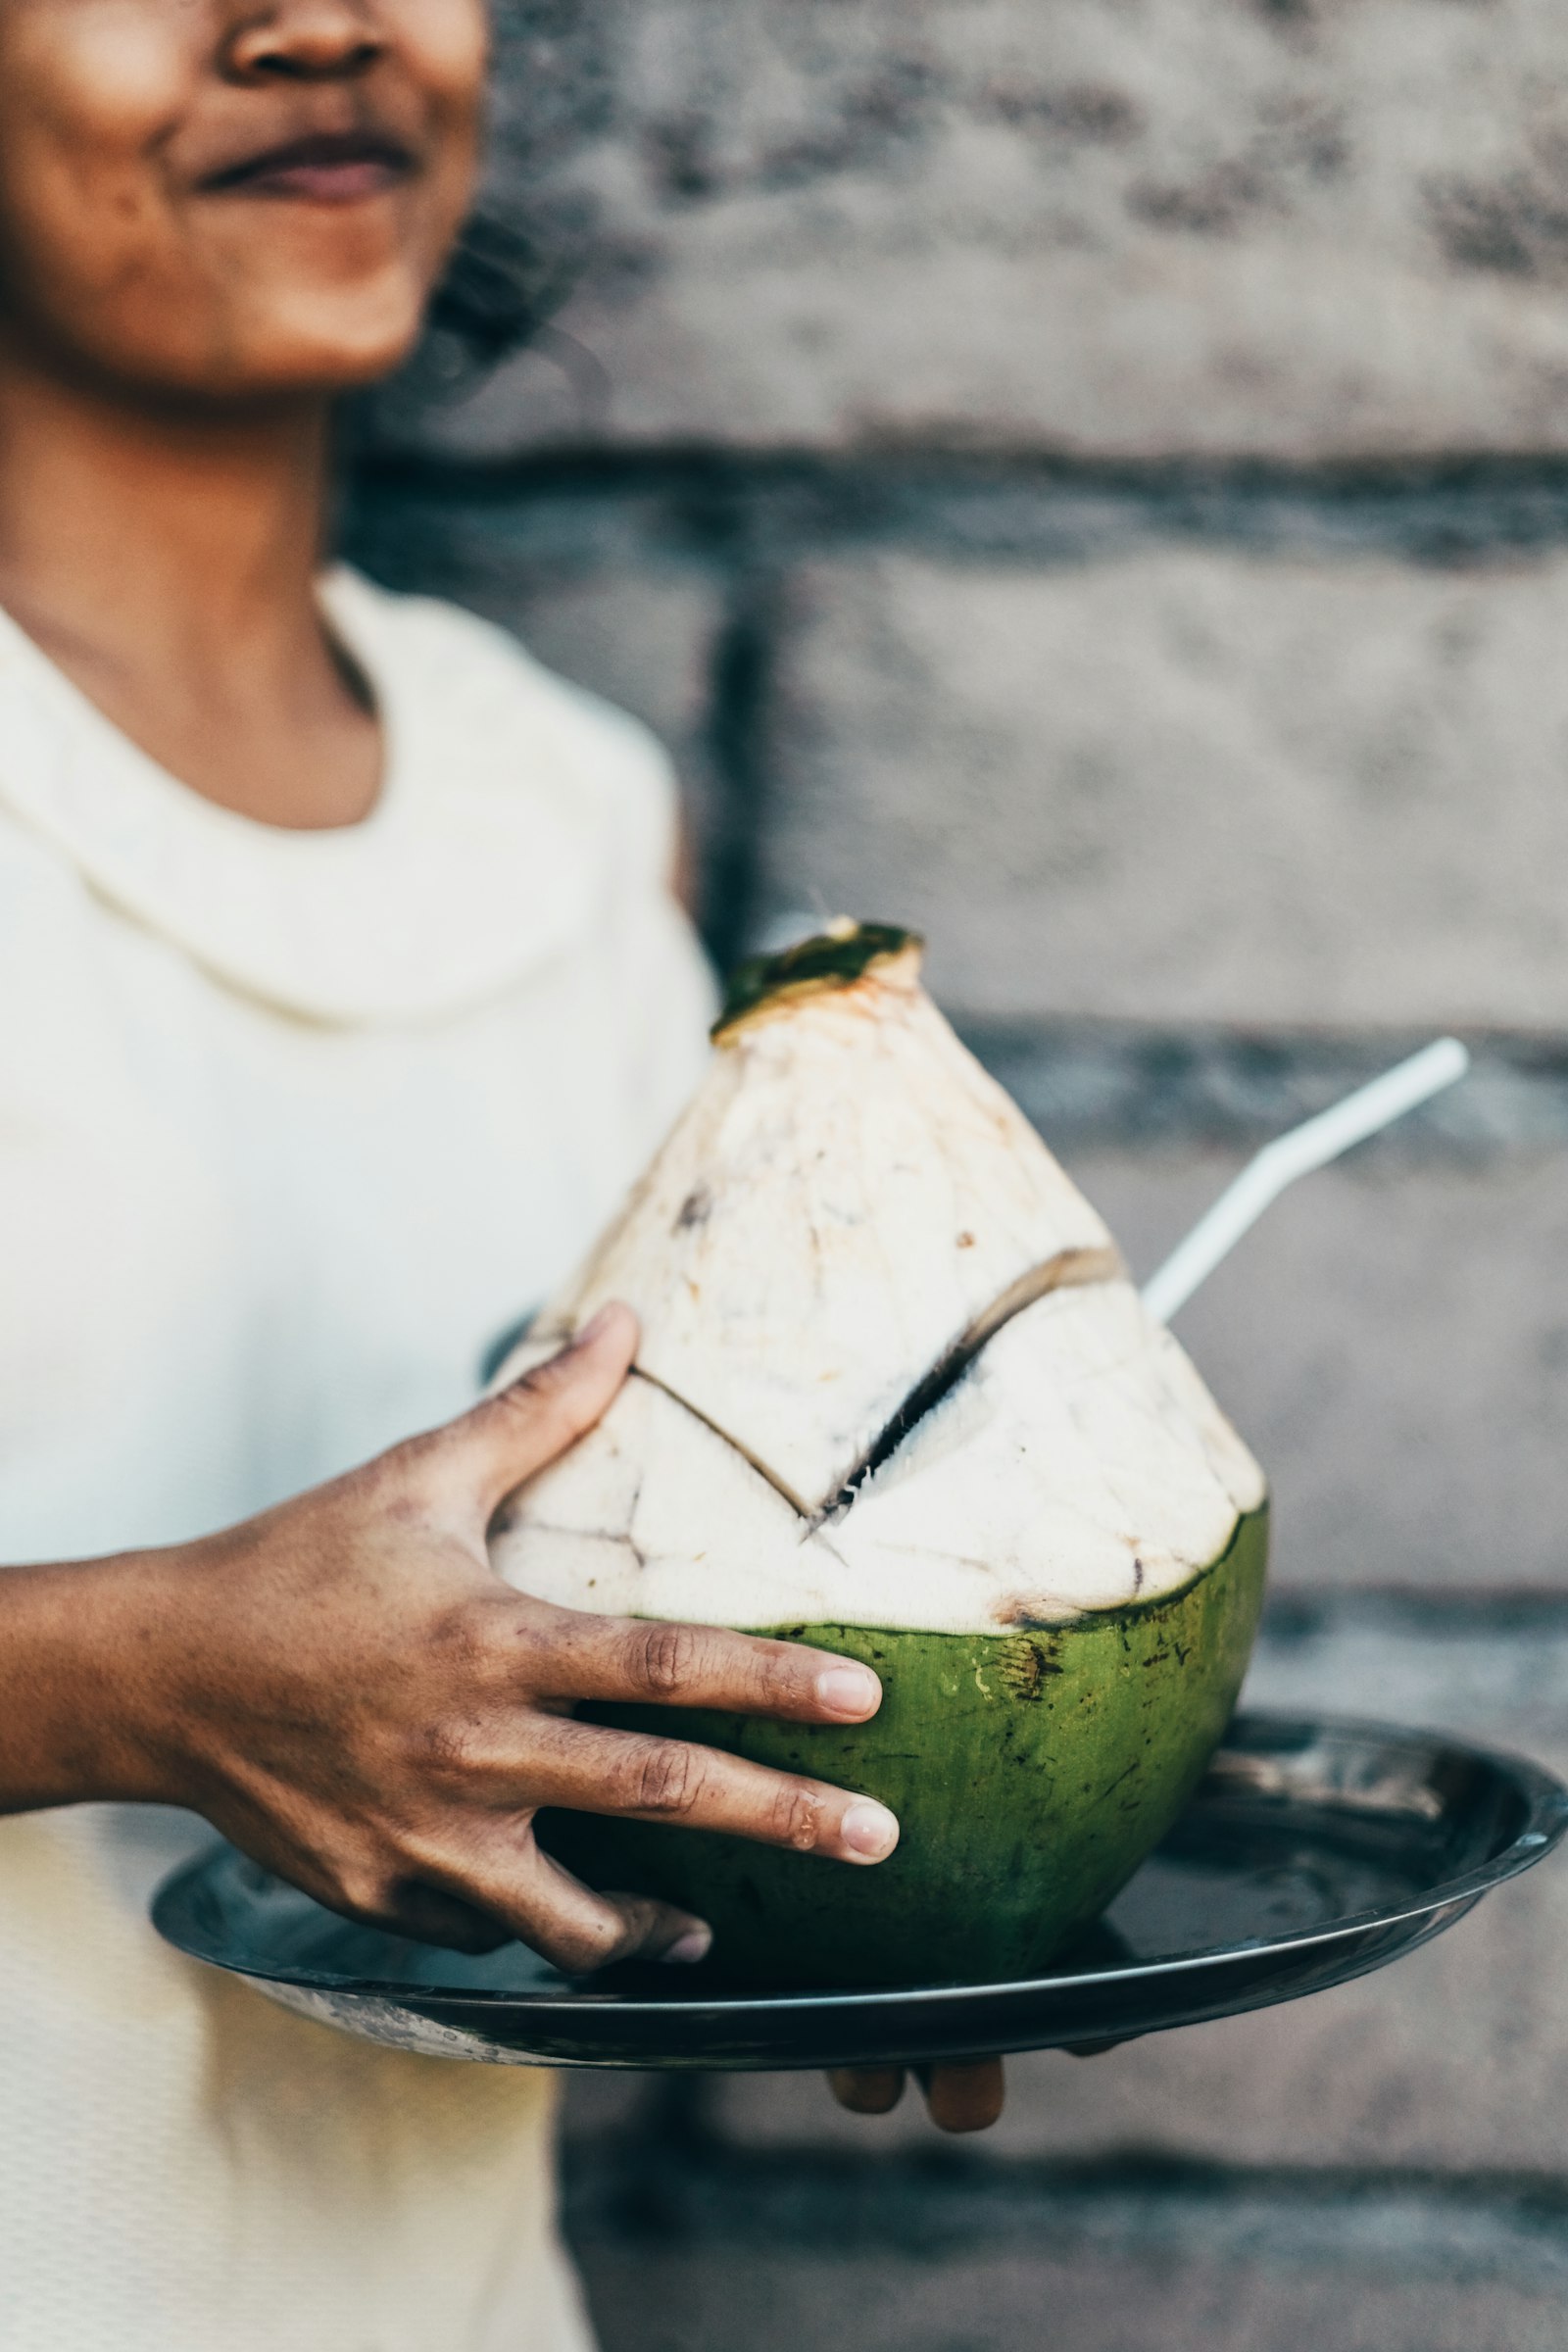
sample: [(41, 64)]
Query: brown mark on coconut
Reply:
[(695, 1209), (1024, 1667)]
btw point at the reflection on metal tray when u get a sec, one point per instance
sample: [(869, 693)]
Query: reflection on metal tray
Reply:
[(1314, 1851)]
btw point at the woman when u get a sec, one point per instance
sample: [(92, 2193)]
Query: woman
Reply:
[(341, 994)]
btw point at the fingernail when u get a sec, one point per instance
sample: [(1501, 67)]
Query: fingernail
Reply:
[(688, 1950), (868, 1830), (848, 1691)]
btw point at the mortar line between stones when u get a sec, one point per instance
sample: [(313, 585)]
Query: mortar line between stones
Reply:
[(563, 465), (1005, 507), (740, 679), (713, 2191), (1525, 1613)]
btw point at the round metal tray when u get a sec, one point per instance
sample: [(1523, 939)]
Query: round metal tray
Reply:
[(1314, 1851)]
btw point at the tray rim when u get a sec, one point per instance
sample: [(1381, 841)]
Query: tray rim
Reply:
[(1546, 1821)]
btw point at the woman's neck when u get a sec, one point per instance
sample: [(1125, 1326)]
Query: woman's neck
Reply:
[(167, 562)]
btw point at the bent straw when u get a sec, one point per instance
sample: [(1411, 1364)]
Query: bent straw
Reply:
[(1295, 1153)]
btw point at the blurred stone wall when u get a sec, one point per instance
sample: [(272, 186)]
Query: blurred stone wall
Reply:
[(1093, 480)]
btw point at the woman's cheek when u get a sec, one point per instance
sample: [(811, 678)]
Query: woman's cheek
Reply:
[(87, 103)]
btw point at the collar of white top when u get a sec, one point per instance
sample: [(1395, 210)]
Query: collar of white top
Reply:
[(481, 860)]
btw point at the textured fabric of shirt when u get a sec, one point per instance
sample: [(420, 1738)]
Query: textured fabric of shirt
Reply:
[(292, 1125)]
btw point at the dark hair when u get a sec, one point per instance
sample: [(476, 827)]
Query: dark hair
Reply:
[(499, 289), (496, 295)]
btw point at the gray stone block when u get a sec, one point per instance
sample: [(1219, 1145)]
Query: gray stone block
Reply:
[(1188, 785), (1392, 1341), (1170, 226)]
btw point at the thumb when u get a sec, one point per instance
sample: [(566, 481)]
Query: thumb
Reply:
[(541, 1413)]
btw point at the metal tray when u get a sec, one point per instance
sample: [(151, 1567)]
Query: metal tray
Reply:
[(1314, 1851)]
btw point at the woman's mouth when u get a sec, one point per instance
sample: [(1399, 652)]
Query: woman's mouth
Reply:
[(326, 168)]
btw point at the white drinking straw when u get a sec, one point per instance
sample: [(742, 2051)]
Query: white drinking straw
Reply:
[(1305, 1148)]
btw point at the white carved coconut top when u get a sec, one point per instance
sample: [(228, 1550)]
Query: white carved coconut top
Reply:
[(892, 1372)]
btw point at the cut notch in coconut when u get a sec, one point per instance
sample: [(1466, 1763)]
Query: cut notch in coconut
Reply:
[(1068, 1270), (1077, 1465)]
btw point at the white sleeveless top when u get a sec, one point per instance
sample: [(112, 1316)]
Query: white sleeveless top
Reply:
[(291, 1126)]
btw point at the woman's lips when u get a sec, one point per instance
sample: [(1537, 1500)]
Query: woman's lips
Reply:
[(321, 169)]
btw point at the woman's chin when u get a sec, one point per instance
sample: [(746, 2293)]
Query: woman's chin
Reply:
[(329, 341)]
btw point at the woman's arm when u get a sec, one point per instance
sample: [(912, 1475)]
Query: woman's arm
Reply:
[(345, 1689), (70, 1637)]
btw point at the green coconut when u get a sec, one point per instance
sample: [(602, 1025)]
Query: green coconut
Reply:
[(896, 1398), (1031, 1774)]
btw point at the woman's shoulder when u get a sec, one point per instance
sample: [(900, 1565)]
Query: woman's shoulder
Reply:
[(478, 687), (523, 826)]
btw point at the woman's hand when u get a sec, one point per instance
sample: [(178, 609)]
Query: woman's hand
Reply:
[(961, 2095), (348, 1691)]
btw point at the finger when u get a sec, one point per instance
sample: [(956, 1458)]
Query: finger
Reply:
[(576, 1930), (867, 2090), (965, 2097), (536, 1417), (699, 1666), (586, 1768)]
